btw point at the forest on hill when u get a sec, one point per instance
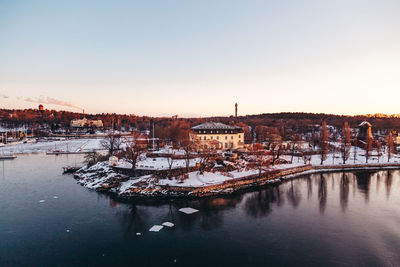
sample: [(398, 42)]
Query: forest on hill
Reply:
[(292, 120)]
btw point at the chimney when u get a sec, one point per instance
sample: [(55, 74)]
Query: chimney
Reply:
[(236, 106)]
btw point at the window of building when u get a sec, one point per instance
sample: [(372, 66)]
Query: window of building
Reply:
[(226, 145), (211, 138), (217, 137), (239, 136), (232, 137), (226, 137)]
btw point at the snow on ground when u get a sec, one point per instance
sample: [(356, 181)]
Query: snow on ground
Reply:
[(102, 177), (158, 164), (207, 178), (170, 150), (98, 176), (71, 145), (242, 173), (92, 144), (126, 186), (336, 158)]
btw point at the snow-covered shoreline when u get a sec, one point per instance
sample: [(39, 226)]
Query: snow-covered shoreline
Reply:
[(102, 177)]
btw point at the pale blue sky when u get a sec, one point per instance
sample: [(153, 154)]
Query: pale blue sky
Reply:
[(200, 57)]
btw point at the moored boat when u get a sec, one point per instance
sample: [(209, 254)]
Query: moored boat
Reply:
[(4, 157)]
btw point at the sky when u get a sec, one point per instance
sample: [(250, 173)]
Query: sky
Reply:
[(198, 58)]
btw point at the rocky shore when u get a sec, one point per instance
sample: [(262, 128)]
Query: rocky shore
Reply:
[(102, 177)]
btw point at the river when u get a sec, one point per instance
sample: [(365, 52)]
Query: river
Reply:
[(330, 219)]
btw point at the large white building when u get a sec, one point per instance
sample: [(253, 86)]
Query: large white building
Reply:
[(86, 123), (218, 136)]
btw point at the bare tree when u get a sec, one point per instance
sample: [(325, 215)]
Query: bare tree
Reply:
[(91, 158), (379, 149), (261, 161), (355, 149), (276, 150), (112, 143), (368, 147), (314, 140), (133, 149), (333, 150), (389, 145), (306, 157), (207, 154), (345, 142), (323, 142), (170, 161), (188, 145), (294, 145)]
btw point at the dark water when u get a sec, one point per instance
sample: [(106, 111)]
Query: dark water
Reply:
[(319, 220)]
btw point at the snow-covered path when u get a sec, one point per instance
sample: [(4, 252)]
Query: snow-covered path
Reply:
[(72, 145)]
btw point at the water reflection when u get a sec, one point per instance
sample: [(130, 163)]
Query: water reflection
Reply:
[(260, 203), (389, 180), (133, 219), (309, 187), (363, 183), (138, 217), (294, 195), (322, 193), (344, 191)]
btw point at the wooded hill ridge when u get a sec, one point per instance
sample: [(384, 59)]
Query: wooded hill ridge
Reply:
[(17, 117)]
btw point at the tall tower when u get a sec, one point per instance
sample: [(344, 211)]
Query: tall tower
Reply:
[(236, 105)]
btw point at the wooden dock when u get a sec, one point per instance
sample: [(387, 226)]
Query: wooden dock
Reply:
[(3, 157), (68, 152)]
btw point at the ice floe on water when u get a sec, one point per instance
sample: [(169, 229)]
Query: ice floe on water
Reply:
[(156, 228), (168, 224), (188, 210), (41, 201)]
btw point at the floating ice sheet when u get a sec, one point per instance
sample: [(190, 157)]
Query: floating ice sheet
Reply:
[(168, 224), (55, 197), (138, 234), (42, 200), (188, 210), (156, 228)]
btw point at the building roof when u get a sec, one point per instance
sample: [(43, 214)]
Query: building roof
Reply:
[(214, 125), (365, 124)]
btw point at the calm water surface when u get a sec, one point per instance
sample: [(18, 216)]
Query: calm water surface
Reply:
[(330, 219)]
